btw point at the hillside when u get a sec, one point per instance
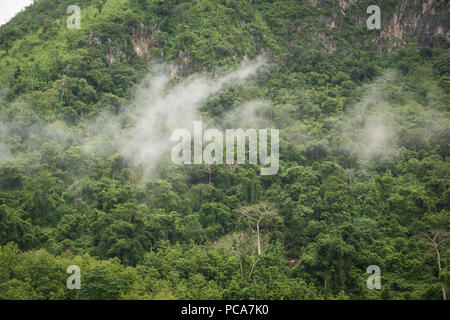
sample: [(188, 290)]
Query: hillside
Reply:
[(86, 177)]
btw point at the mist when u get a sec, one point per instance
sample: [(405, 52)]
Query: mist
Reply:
[(161, 109), (369, 129), (141, 131), (387, 118)]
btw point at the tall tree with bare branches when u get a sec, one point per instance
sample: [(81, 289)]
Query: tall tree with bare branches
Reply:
[(254, 215), (243, 248), (437, 238)]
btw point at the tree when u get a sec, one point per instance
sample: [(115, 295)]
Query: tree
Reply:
[(437, 238), (254, 215), (243, 249), (102, 283), (208, 169)]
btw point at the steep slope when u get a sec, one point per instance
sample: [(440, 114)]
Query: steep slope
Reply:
[(364, 146)]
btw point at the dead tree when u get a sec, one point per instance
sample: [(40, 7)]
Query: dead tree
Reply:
[(243, 249), (350, 174), (254, 215), (436, 238)]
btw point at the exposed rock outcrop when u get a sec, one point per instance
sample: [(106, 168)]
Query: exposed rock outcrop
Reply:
[(115, 52), (416, 18), (420, 19), (143, 39)]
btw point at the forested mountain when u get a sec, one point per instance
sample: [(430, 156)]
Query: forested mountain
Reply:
[(86, 177)]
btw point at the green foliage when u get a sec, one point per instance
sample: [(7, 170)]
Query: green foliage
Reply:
[(343, 201)]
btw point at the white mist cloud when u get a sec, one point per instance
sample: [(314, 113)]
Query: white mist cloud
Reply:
[(160, 108), (9, 8), (5, 153), (369, 129), (142, 130), (251, 114)]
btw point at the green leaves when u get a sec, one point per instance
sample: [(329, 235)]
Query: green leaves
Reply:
[(340, 207)]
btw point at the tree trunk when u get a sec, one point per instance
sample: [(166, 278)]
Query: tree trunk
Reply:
[(242, 269), (444, 296), (259, 242)]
